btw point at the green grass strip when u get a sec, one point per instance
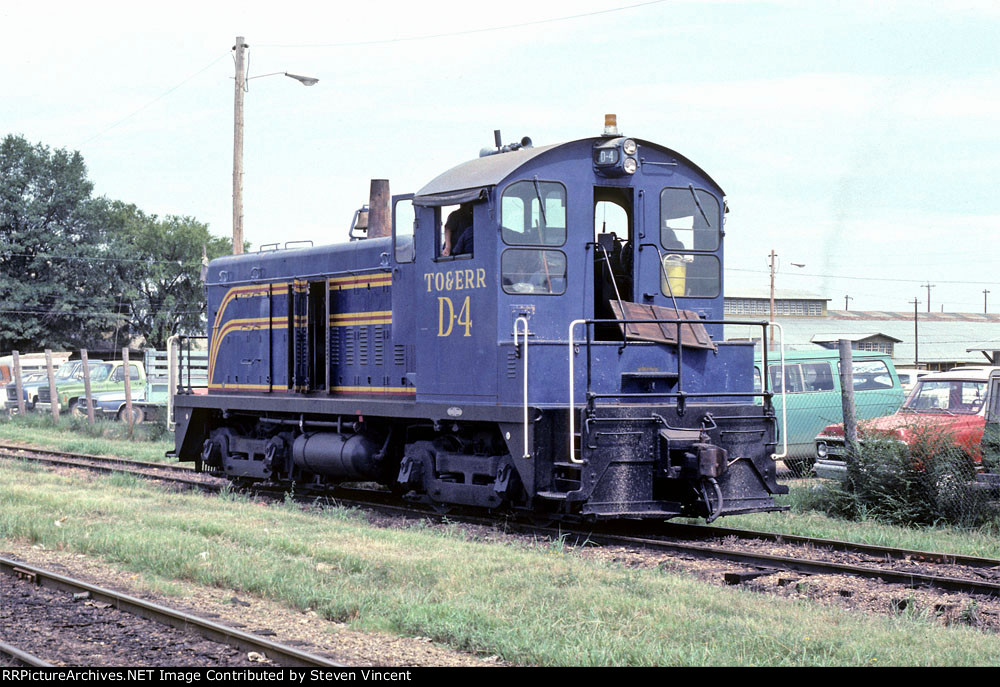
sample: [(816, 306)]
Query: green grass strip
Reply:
[(532, 605)]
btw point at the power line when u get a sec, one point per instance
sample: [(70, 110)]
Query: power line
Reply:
[(48, 256), (840, 276), (463, 32), (154, 100)]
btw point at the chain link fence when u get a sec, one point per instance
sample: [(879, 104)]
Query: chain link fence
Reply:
[(928, 480)]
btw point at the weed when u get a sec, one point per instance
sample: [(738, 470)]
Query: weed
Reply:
[(927, 481)]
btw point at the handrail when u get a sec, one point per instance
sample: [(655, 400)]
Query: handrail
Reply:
[(172, 384), (572, 396), (680, 393), (784, 406), (527, 454)]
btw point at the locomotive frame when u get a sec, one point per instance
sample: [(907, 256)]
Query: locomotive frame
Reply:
[(454, 378)]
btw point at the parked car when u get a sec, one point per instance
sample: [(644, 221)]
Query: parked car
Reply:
[(67, 373), (813, 398), (30, 363), (104, 376), (149, 403), (908, 377), (29, 389), (954, 402)]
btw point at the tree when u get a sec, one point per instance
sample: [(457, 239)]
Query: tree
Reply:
[(78, 271), (51, 295), (158, 266)]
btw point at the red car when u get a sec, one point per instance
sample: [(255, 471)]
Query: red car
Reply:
[(952, 402)]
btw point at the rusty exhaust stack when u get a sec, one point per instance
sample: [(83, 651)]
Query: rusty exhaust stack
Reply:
[(379, 217)]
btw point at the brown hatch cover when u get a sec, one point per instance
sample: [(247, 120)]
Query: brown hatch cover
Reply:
[(693, 335)]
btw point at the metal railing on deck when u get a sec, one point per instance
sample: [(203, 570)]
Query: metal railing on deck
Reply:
[(680, 394)]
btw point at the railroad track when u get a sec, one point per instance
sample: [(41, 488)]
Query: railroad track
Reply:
[(911, 568), (73, 590)]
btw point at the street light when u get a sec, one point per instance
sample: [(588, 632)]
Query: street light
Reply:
[(241, 79), (772, 263)]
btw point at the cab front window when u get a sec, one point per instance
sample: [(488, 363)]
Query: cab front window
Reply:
[(690, 223)]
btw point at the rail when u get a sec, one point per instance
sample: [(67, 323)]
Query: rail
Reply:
[(680, 394)]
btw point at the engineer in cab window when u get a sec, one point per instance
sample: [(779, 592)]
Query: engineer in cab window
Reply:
[(458, 232)]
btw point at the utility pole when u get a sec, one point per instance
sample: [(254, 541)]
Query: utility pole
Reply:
[(985, 294), (238, 146), (916, 344), (928, 286), (847, 298), (772, 263)]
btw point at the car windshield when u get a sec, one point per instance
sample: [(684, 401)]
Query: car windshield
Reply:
[(947, 396), (98, 373), (66, 371)]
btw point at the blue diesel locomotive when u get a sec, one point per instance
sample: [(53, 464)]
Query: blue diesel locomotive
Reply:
[(563, 356)]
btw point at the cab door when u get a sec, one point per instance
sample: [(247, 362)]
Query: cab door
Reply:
[(454, 297)]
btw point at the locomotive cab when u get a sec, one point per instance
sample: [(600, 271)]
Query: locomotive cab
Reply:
[(541, 332)]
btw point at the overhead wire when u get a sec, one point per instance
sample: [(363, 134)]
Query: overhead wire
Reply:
[(461, 32)]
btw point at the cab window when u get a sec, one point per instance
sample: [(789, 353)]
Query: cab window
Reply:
[(690, 223), (533, 213), (524, 270)]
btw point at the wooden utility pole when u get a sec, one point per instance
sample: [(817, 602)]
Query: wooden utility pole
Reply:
[(847, 298), (771, 337), (928, 286), (916, 340), (847, 396), (238, 49), (985, 294)]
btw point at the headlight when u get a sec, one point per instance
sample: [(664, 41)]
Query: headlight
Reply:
[(629, 146), (630, 165), (821, 449)]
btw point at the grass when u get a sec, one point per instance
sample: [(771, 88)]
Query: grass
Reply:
[(105, 438), (801, 520), (531, 605)]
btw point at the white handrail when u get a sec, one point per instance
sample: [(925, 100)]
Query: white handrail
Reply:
[(784, 406), (527, 454), (572, 403), (173, 380)]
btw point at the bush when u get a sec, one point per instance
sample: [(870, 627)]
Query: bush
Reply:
[(929, 481)]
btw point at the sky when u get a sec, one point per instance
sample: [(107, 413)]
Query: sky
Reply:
[(860, 139)]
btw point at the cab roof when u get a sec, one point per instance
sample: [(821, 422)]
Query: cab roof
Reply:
[(471, 180)]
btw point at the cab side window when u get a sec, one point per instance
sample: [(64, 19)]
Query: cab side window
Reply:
[(533, 213)]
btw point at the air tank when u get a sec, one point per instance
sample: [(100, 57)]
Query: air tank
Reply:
[(344, 456)]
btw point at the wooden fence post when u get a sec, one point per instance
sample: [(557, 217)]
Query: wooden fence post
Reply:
[(53, 395), (18, 382), (86, 385), (128, 392), (847, 397)]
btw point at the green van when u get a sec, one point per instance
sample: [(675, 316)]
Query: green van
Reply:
[(812, 395)]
